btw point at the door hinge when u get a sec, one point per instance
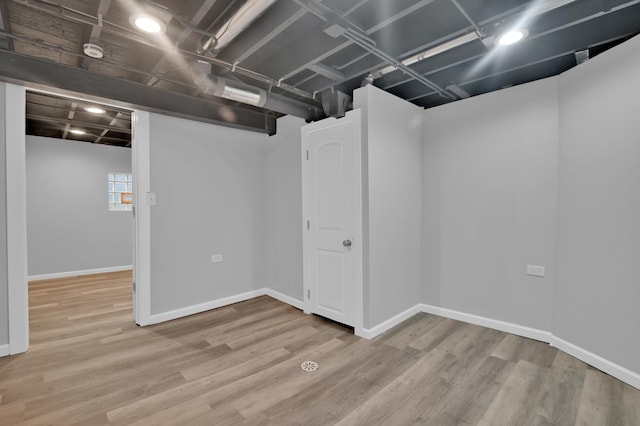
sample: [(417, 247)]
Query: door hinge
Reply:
[(307, 154), (134, 286), (133, 210), (309, 294), (308, 225)]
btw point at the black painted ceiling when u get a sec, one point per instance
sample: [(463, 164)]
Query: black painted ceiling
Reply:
[(289, 51), (59, 117)]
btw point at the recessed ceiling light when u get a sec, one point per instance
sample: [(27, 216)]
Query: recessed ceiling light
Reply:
[(511, 37), (148, 23), (77, 131), (94, 110)]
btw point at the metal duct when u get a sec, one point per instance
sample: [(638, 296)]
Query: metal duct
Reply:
[(240, 20), (245, 93), (335, 103)]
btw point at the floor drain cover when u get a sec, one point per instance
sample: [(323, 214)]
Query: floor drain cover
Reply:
[(309, 366)]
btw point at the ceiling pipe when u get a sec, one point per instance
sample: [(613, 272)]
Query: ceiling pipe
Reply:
[(67, 13), (240, 20), (251, 95), (538, 8), (458, 41)]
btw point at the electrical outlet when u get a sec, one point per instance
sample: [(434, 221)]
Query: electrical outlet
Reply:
[(535, 271), (215, 258)]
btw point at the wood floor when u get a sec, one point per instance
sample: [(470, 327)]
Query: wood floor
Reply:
[(88, 364)]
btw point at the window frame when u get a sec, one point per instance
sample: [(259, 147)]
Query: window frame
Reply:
[(115, 180)]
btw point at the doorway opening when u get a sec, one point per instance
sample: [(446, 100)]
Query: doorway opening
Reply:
[(80, 224)]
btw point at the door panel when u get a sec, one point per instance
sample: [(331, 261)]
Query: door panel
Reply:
[(329, 191), (329, 179), (331, 290)]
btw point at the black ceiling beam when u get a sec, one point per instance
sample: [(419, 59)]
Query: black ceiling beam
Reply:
[(77, 123), (32, 102), (276, 19), (197, 18), (5, 25), (542, 51), (69, 14), (333, 49), (42, 74), (113, 121)]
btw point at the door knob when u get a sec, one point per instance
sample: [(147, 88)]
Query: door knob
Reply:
[(346, 243)]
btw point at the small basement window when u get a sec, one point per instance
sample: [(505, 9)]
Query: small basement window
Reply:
[(120, 192)]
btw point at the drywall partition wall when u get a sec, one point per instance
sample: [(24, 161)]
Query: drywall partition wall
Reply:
[(4, 307), (597, 286), (69, 225), (283, 211), (16, 218), (489, 204), (208, 183), (392, 139)]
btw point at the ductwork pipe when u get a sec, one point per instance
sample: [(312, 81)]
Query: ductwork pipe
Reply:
[(240, 20), (245, 93)]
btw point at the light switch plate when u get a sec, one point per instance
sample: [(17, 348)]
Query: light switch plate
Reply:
[(535, 271), (151, 198)]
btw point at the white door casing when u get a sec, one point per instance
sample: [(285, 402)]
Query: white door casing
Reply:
[(332, 218), (141, 135), (17, 273)]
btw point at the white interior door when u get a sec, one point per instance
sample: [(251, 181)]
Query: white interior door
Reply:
[(331, 210)]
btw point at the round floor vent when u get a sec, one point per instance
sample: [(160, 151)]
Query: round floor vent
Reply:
[(309, 366)]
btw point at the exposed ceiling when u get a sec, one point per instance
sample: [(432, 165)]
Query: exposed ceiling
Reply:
[(299, 51), (67, 118)]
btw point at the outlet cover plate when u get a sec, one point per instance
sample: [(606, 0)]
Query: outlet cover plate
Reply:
[(215, 258)]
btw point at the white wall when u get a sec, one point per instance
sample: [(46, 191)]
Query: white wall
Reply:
[(69, 225), (544, 173), (283, 209), (210, 189), (4, 307), (391, 200), (489, 204), (597, 286)]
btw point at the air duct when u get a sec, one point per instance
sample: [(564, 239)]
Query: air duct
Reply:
[(241, 92), (335, 103), (240, 20)]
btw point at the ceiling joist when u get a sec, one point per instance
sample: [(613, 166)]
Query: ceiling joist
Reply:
[(297, 50)]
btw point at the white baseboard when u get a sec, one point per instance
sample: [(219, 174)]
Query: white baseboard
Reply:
[(520, 330), (597, 361), (622, 373), (80, 273), (370, 333), (4, 350), (284, 298), (201, 307), (532, 333), (218, 303)]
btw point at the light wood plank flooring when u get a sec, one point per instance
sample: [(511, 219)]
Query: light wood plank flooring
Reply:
[(240, 365)]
